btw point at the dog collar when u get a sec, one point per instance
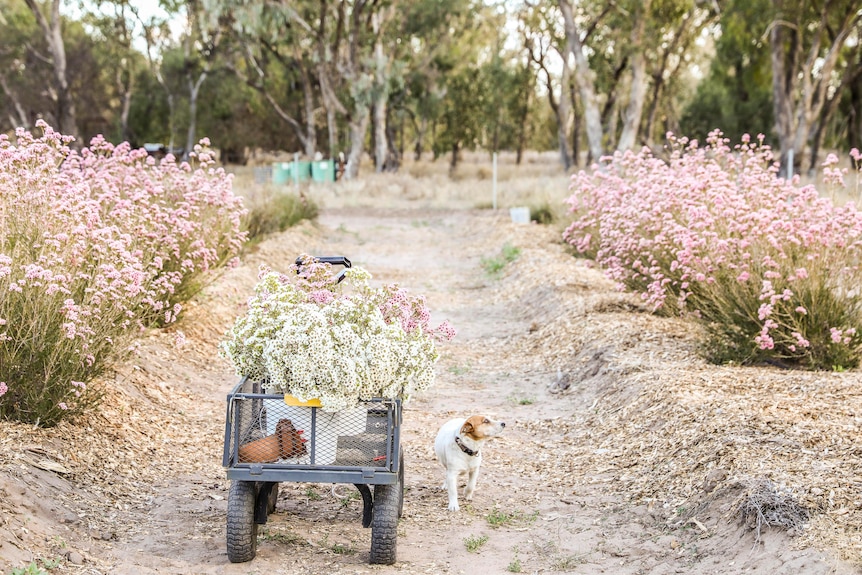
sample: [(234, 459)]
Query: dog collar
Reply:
[(465, 449)]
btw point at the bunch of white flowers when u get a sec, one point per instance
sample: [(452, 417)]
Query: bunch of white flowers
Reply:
[(306, 338)]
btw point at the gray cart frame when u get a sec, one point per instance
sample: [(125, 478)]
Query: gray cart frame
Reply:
[(254, 486)]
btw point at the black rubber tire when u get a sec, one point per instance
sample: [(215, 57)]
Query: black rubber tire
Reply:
[(241, 528), (384, 523)]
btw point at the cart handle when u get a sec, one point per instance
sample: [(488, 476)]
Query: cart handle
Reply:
[(332, 260)]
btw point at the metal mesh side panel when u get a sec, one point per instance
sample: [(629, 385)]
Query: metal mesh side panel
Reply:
[(272, 432)]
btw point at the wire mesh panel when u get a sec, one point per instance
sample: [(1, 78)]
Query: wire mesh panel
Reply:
[(263, 429)]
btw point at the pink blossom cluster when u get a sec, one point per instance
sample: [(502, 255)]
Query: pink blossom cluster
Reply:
[(93, 245), (713, 230)]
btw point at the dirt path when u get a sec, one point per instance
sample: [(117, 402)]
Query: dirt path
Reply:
[(533, 513)]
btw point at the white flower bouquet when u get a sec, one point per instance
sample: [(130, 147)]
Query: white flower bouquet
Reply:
[(307, 335)]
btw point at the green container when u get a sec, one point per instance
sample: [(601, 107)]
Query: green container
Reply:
[(300, 171), (323, 171), (280, 172)]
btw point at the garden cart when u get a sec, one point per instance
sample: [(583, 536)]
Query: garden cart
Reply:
[(272, 438)]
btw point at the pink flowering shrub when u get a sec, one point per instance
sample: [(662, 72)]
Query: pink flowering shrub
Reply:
[(769, 266), (93, 246)]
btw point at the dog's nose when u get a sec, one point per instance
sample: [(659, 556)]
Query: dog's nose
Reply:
[(502, 424)]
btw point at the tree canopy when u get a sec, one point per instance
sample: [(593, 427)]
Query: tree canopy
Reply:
[(396, 77)]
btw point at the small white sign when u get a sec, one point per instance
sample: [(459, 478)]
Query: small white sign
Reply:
[(520, 215)]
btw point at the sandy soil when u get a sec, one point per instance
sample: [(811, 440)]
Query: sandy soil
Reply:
[(139, 489)]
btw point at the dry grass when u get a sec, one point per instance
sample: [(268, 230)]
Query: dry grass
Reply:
[(766, 504), (539, 182)]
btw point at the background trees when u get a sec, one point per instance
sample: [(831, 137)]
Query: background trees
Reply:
[(389, 77)]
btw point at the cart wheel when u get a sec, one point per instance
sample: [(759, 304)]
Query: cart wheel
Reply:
[(388, 503), (241, 528)]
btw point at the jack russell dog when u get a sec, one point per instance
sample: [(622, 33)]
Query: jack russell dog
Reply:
[(458, 447)]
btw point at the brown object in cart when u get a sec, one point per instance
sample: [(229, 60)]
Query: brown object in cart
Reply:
[(284, 443)]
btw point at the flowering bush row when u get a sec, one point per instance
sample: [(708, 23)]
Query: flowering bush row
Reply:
[(93, 246), (310, 337), (769, 266)]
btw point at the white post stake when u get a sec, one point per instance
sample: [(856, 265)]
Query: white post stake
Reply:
[(495, 180)]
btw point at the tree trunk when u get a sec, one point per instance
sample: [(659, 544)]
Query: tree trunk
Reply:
[(680, 37), (780, 94), (799, 89), (67, 122), (576, 130), (331, 130), (310, 142), (562, 111), (358, 127), (854, 126), (420, 138), (453, 164), (522, 123), (21, 120), (585, 81), (851, 73), (393, 161), (194, 91), (172, 127), (634, 110), (381, 146), (125, 89), (380, 97)]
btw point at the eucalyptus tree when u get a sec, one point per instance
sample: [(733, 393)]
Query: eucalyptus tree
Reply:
[(682, 24), (272, 49), (637, 93), (50, 23), (158, 42), (436, 40), (808, 44), (584, 76), (412, 42), (851, 105), (507, 82), (735, 95), (202, 37), (21, 78), (545, 44), (321, 46), (845, 86), (116, 28)]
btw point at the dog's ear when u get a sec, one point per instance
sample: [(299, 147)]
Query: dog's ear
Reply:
[(467, 428)]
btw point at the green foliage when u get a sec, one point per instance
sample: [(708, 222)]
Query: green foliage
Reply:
[(275, 212), (499, 518), (736, 96), (312, 495), (542, 213), (523, 400), (279, 536), (493, 266), (31, 569), (474, 542)]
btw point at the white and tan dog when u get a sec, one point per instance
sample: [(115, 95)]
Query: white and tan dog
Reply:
[(458, 446)]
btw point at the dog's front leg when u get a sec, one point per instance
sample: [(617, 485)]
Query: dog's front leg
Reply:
[(472, 476), (452, 489)]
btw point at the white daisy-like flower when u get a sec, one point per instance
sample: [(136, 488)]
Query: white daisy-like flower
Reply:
[(339, 349)]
